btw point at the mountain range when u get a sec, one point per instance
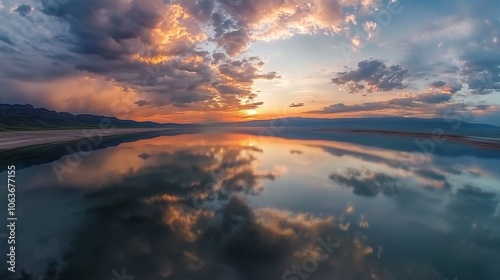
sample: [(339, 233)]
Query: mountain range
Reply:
[(27, 117)]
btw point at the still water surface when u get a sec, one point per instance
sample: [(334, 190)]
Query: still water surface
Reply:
[(240, 206)]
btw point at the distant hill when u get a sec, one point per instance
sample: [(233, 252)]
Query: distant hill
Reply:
[(397, 124), (27, 117)]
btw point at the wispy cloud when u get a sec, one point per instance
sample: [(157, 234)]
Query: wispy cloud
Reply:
[(296, 105)]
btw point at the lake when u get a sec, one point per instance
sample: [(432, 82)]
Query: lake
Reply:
[(251, 205)]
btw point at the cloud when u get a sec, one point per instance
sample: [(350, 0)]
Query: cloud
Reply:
[(296, 105), (448, 28), (342, 108), (149, 223), (444, 87), (467, 49), (148, 47), (432, 50), (438, 84), (23, 9), (364, 156), (183, 54), (471, 203), (481, 60), (370, 28), (191, 56), (374, 75), (433, 98), (141, 103), (4, 38), (420, 65), (234, 42), (482, 71), (154, 229), (414, 102), (238, 25)]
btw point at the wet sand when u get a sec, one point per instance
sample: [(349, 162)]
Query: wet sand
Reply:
[(15, 139)]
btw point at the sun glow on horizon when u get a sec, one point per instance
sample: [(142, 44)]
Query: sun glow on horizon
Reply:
[(251, 112)]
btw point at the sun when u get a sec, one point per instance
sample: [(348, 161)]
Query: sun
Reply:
[(251, 112)]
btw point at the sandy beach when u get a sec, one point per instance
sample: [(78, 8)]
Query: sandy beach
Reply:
[(16, 139)]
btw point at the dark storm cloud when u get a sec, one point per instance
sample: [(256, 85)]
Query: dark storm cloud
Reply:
[(375, 75), (23, 9), (118, 39), (102, 27), (151, 48), (180, 83), (296, 105), (234, 23)]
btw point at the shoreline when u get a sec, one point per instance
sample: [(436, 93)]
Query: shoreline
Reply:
[(480, 142), (18, 139)]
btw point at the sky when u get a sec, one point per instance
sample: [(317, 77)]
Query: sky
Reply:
[(232, 60)]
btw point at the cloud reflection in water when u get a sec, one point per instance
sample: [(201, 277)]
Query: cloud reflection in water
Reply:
[(259, 211)]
